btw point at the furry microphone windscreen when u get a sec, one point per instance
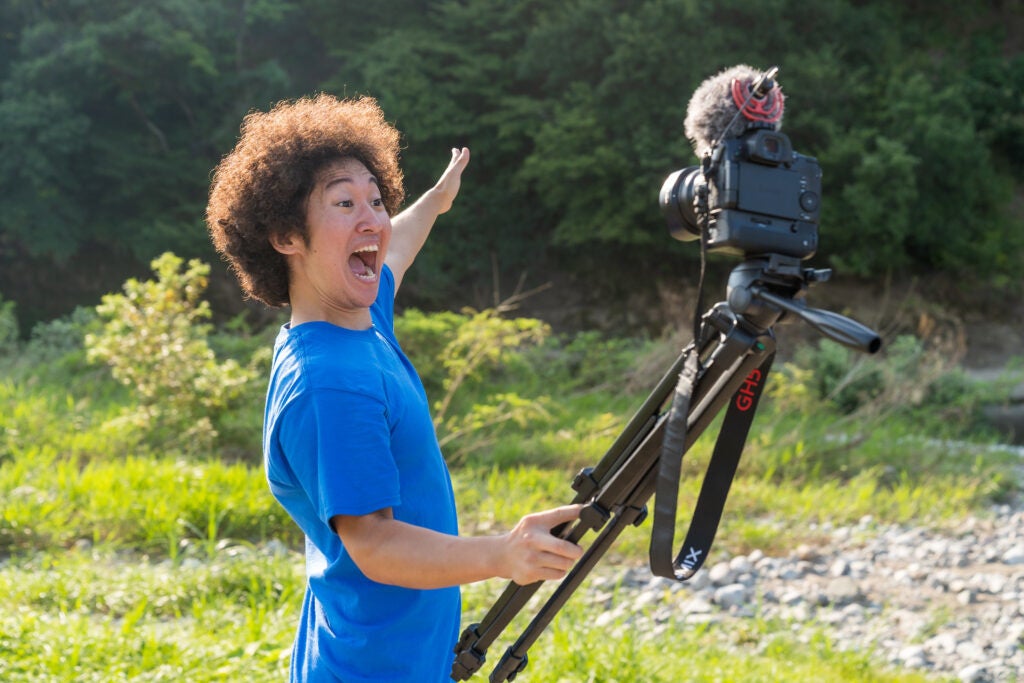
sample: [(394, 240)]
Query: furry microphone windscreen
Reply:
[(712, 107)]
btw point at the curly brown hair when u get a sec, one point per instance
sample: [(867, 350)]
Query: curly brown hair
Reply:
[(260, 189)]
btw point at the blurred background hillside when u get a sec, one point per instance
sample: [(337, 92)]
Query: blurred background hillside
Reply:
[(113, 114)]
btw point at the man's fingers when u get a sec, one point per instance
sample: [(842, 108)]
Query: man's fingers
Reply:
[(552, 544), (556, 516), (544, 566), (560, 562), (447, 186), (458, 163)]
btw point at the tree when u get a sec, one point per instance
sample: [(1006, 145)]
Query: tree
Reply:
[(115, 112)]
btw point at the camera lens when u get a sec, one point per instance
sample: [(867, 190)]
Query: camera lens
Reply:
[(676, 200)]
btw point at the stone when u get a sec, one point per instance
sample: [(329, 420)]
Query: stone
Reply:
[(1014, 555), (733, 595), (721, 574), (842, 591), (974, 673)]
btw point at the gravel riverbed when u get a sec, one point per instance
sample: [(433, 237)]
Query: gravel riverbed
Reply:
[(944, 602)]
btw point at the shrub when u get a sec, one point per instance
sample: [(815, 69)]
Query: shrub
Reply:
[(423, 337), (154, 340), (840, 376), (455, 354)]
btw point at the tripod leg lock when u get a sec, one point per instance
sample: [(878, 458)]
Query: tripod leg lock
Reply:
[(593, 516), (509, 667), (641, 517), (584, 482), (468, 659)]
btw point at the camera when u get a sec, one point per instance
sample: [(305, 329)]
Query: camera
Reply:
[(754, 194)]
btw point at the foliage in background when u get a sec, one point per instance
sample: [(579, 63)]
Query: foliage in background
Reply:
[(120, 109), (892, 418), (463, 351), (8, 327)]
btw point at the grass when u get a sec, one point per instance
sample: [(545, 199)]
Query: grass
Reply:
[(89, 615), (145, 503), (765, 652), (124, 560), (130, 606), (95, 615)]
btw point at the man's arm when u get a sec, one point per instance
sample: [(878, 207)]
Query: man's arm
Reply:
[(411, 227), (400, 554)]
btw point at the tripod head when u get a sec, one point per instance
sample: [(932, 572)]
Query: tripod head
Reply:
[(762, 290)]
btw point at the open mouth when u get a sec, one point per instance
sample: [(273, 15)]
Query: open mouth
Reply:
[(363, 263)]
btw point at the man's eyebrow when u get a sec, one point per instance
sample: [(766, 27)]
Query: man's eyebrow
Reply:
[(345, 179)]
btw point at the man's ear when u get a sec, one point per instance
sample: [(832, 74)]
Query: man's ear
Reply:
[(288, 243)]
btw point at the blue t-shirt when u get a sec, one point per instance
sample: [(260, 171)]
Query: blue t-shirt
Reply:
[(348, 431)]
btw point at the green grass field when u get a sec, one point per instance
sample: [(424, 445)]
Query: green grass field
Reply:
[(129, 553)]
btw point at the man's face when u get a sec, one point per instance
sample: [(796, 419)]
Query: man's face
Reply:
[(338, 271)]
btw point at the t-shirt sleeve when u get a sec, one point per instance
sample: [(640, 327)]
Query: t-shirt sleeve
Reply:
[(338, 444), (383, 309)]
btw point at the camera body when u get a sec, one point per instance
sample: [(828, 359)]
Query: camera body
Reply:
[(762, 197)]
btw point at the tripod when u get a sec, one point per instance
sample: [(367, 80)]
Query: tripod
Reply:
[(725, 364)]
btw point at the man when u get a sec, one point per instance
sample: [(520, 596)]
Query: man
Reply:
[(301, 208)]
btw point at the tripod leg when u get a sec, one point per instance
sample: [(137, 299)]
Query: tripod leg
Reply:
[(625, 478), (628, 475), (628, 488), (514, 660), (471, 650)]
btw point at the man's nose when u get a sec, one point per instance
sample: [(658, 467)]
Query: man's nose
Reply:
[(371, 218)]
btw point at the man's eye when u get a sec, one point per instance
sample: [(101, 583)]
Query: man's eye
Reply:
[(347, 203)]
